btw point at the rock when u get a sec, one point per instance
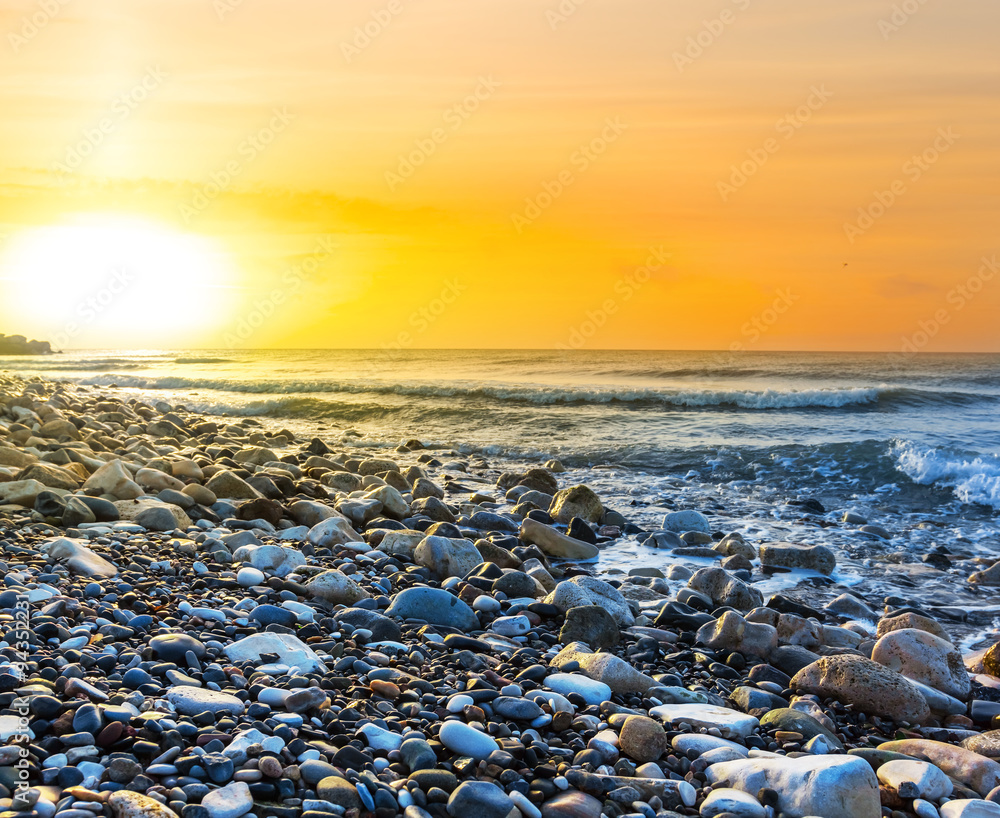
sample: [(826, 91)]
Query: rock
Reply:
[(851, 607), (78, 558), (832, 786), (911, 620), (732, 632), (585, 591), (190, 701), (401, 543), (114, 479), (172, 647), (160, 517), (643, 739), (572, 805), (729, 723), (725, 590), (989, 577), (731, 803), (554, 543), (77, 512), (976, 772), (446, 557), (230, 486), (49, 475), (915, 779), (336, 588), (273, 560), (866, 684), (788, 555), (591, 624), (795, 721), (331, 532), (592, 691), (393, 504), (479, 798), (985, 744), (576, 501), (970, 808), (338, 790), (230, 801), (682, 521), (926, 658), (433, 605), (383, 629), (516, 708), (509, 625), (290, 650), (466, 740), (127, 804), (23, 492), (155, 480)]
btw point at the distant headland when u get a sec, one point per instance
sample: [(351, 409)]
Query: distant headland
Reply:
[(19, 345)]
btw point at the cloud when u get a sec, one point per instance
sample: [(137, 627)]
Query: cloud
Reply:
[(903, 286)]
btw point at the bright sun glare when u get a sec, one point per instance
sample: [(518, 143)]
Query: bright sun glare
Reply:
[(113, 281)]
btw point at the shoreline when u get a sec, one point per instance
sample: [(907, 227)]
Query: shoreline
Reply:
[(363, 610)]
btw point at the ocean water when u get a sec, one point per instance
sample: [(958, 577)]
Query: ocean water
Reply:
[(910, 444), (921, 432)]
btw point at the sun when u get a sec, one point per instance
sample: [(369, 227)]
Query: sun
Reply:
[(114, 281)]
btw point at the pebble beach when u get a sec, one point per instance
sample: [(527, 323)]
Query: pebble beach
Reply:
[(223, 617)]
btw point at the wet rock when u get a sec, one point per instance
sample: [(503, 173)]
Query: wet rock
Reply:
[(586, 591), (554, 543), (926, 658), (831, 786), (591, 624), (866, 684), (576, 501), (788, 555), (725, 590)]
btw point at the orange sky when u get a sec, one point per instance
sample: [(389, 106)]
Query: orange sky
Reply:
[(623, 121)]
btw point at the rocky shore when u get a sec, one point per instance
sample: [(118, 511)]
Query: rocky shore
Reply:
[(214, 620)]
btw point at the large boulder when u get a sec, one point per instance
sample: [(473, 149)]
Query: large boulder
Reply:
[(926, 658), (788, 555), (114, 479), (231, 486), (332, 531), (606, 668), (433, 605), (732, 632), (76, 556), (871, 687), (152, 514), (22, 492), (680, 522), (726, 590), (335, 587), (833, 786), (971, 769), (555, 543), (585, 590), (446, 557), (49, 475), (576, 501)]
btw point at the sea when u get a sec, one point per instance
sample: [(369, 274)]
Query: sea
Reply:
[(910, 443)]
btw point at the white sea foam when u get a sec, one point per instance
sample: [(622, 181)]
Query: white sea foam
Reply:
[(973, 479)]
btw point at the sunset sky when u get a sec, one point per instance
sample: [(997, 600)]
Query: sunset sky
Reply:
[(496, 173)]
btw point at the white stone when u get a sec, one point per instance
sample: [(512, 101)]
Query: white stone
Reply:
[(114, 479), (915, 779), (833, 786), (511, 625), (290, 649), (729, 722), (248, 577), (381, 739), (733, 802), (465, 740), (332, 531), (681, 521), (593, 692), (78, 557), (190, 701), (970, 808), (230, 801)]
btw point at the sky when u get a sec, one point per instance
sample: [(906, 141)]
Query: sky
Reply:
[(700, 174)]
